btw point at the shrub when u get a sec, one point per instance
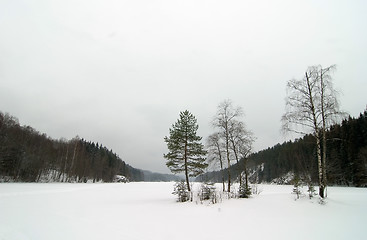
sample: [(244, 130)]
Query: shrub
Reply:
[(180, 189), (244, 191), (207, 192)]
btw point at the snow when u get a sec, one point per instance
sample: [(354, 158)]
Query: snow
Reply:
[(150, 211)]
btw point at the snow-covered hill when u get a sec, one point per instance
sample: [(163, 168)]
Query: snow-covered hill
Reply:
[(150, 211)]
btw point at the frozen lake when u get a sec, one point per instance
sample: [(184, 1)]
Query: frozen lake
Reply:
[(150, 211)]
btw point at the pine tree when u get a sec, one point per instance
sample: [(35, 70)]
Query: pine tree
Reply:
[(186, 152)]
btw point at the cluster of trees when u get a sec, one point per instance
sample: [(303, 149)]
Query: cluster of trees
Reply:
[(328, 153), (232, 142), (346, 153), (28, 156)]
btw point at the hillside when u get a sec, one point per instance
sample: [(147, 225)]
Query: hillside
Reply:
[(29, 156)]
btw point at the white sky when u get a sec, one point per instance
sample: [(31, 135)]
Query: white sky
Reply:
[(119, 72)]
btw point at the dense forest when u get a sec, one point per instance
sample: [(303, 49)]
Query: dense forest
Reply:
[(346, 157), (29, 156)]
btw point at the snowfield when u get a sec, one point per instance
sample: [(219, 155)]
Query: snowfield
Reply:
[(140, 211)]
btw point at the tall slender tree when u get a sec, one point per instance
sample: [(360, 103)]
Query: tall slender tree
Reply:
[(185, 151), (329, 106), (216, 150), (312, 104), (241, 144)]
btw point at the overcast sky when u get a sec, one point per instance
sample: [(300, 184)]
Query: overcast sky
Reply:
[(119, 72)]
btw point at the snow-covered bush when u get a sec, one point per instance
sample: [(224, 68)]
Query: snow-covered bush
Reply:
[(284, 179), (311, 190), (208, 192), (180, 189), (297, 186), (121, 179)]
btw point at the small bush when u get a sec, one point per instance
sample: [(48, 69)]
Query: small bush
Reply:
[(207, 192), (244, 191), (297, 185), (311, 190), (180, 189)]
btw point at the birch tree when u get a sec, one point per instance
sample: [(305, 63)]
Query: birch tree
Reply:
[(312, 104), (329, 106)]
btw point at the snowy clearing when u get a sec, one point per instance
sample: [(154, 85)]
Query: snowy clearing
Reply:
[(149, 211)]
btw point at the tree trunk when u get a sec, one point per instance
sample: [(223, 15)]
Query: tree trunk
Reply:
[(323, 131), (186, 169), (317, 136), (320, 166), (324, 161), (221, 168), (246, 173), (237, 161), (221, 164), (229, 171), (228, 158)]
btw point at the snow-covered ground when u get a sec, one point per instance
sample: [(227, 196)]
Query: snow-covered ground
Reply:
[(149, 211)]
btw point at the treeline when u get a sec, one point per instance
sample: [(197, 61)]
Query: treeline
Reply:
[(346, 157), (28, 156)]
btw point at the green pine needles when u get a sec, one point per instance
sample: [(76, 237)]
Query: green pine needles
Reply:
[(185, 151)]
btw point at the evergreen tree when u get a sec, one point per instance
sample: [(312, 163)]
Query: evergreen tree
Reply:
[(186, 152)]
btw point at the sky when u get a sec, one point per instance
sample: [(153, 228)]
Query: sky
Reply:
[(119, 72)]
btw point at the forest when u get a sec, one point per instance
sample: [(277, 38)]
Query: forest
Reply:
[(29, 156), (346, 158)]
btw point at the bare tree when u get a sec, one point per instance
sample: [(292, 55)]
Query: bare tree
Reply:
[(245, 146), (216, 152), (226, 114), (237, 140), (241, 141), (312, 104), (329, 105)]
